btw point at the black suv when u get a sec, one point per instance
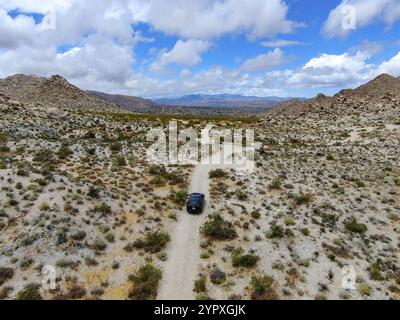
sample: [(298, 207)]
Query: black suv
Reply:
[(195, 203)]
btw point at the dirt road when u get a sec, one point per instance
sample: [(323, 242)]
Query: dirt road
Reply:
[(183, 256), (181, 268)]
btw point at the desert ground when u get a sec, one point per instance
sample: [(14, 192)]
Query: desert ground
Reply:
[(78, 194)]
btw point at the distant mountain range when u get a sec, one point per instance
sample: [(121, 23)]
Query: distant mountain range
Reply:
[(130, 103), (221, 100)]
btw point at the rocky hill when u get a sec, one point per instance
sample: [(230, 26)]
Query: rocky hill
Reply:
[(53, 92), (375, 96)]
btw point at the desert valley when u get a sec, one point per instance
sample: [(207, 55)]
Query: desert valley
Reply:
[(77, 193)]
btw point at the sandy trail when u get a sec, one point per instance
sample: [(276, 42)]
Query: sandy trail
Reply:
[(181, 268), (183, 257)]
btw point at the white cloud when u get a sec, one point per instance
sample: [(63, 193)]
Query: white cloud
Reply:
[(208, 19), (365, 12), (15, 32), (279, 43), (185, 52), (264, 61), (333, 71), (391, 67)]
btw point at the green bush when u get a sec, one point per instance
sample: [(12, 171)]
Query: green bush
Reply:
[(303, 198), (241, 195), (145, 283), (156, 241), (276, 231), (103, 208), (218, 229), (375, 271), (239, 259), (262, 288), (116, 147), (64, 152), (218, 173), (120, 161), (200, 285), (276, 184), (256, 214), (43, 155), (3, 137), (5, 275), (179, 197), (94, 193), (30, 292), (353, 226)]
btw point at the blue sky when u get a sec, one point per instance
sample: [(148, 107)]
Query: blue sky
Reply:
[(155, 48)]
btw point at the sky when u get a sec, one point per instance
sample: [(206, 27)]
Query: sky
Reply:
[(158, 48)]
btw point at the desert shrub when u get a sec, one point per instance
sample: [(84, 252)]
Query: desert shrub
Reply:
[(156, 241), (364, 289), (174, 178), (157, 170), (5, 275), (161, 173), (162, 256), (91, 262), (218, 173), (3, 164), (303, 198), (103, 208), (375, 271), (116, 147), (276, 231), (145, 283), (353, 226), (4, 148), (64, 152), (256, 214), (200, 285), (4, 292), (289, 221), (98, 245), (61, 236), (30, 292), (28, 240), (158, 181), (216, 228), (241, 195), (262, 288), (78, 236), (3, 137), (330, 157), (93, 192), (120, 161), (217, 276), (179, 197), (202, 296), (43, 155), (66, 263), (76, 292), (276, 184), (239, 259)]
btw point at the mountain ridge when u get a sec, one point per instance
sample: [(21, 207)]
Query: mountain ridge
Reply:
[(54, 91), (368, 97), (221, 100)]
